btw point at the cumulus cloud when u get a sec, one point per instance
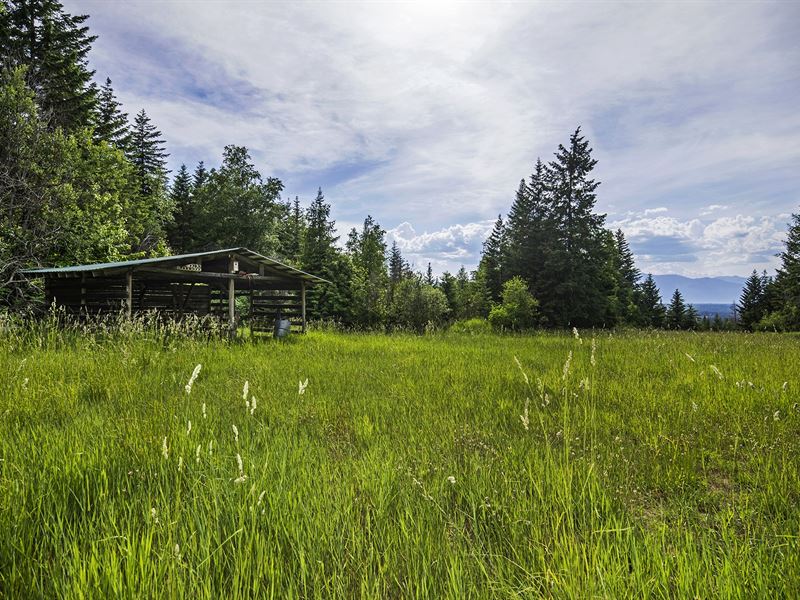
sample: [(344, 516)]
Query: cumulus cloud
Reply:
[(446, 249)]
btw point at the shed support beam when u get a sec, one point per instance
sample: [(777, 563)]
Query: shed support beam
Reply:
[(129, 295), (231, 299), (303, 303)]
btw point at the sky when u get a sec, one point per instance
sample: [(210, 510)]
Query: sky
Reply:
[(426, 115)]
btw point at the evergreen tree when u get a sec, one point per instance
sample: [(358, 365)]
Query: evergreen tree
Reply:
[(294, 232), (576, 284), (370, 278), (787, 281), (53, 45), (111, 124), (148, 156), (676, 312), (321, 257), (691, 318), (492, 260), (650, 310), (200, 177), (751, 306), (429, 278), (627, 278), (398, 268), (180, 231), (528, 230)]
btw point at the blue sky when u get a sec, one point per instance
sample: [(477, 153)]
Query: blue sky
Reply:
[(427, 114)]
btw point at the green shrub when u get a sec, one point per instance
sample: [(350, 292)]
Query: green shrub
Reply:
[(519, 309)]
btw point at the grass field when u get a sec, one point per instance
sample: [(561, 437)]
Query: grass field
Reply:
[(646, 465)]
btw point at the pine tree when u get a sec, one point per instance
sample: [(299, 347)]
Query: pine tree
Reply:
[(370, 279), (294, 232), (651, 311), (200, 176), (429, 278), (492, 260), (398, 267), (627, 278), (148, 155), (321, 257), (528, 229), (751, 307), (691, 318), (676, 312), (111, 124), (787, 281), (53, 45), (576, 282), (180, 231)]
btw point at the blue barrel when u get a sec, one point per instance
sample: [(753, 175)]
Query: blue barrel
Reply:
[(282, 327)]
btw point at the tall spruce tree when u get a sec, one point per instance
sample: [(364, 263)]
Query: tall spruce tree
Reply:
[(751, 303), (576, 281), (293, 232), (321, 257), (398, 267), (200, 176), (493, 260), (53, 45), (180, 230), (787, 281), (367, 250), (676, 312), (148, 155), (111, 124), (527, 229), (628, 276), (650, 310)]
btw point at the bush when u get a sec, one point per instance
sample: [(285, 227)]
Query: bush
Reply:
[(519, 309), (417, 305), (471, 326)]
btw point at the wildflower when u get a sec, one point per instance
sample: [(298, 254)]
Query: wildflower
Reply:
[(524, 416), (253, 406), (197, 454), (565, 372), (235, 433), (189, 427), (180, 464), (594, 349), (165, 448), (177, 552), (154, 515), (240, 479), (694, 406), (204, 410), (521, 370), (576, 335), (451, 480), (302, 388), (193, 378), (245, 390)]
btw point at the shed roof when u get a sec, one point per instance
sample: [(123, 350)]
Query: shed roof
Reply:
[(112, 268)]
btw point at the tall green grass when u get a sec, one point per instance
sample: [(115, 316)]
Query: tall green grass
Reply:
[(407, 468)]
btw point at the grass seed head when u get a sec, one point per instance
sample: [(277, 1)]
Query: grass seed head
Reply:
[(193, 378), (235, 433), (165, 448)]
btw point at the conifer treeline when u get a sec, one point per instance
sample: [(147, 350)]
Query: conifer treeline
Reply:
[(80, 182)]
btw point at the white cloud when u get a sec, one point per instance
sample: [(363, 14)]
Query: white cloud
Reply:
[(653, 211), (446, 249)]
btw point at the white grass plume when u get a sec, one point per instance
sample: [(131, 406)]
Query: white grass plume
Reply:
[(193, 378)]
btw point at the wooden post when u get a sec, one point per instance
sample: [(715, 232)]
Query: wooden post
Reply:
[(303, 303), (129, 289), (231, 298)]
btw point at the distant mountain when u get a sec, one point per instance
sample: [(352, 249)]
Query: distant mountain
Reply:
[(701, 290)]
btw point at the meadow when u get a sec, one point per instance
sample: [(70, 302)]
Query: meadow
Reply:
[(612, 464)]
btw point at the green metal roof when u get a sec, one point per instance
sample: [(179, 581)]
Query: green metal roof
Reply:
[(111, 268)]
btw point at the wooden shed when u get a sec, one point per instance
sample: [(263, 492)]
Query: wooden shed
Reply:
[(203, 283)]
